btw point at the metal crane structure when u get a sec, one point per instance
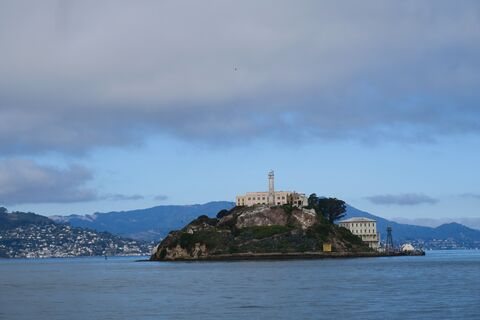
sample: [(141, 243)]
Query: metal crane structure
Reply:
[(389, 244)]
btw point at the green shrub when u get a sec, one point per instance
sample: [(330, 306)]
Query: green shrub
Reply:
[(222, 213), (288, 209), (206, 219), (210, 238), (262, 232), (162, 253), (350, 237)]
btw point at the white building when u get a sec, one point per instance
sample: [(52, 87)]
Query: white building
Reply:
[(272, 197), (407, 247), (365, 228)]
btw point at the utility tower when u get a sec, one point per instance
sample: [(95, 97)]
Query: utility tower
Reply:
[(271, 188), (389, 244)]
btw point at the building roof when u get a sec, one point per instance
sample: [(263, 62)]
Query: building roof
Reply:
[(266, 192), (358, 219)]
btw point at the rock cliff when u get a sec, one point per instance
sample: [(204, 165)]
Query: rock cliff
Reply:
[(260, 231)]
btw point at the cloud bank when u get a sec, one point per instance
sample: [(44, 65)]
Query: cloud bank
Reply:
[(160, 197), (406, 199), (75, 75), (122, 197), (24, 181), (470, 195)]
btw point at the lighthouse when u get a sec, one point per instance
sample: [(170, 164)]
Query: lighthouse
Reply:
[(271, 188)]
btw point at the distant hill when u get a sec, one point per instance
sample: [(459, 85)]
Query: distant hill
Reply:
[(146, 224), (455, 230), (9, 220), (29, 235), (155, 223)]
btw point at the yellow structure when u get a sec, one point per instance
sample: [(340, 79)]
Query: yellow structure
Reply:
[(327, 247), (272, 197)]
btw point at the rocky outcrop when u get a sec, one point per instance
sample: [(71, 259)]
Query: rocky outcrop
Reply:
[(258, 231), (305, 218), (179, 253)]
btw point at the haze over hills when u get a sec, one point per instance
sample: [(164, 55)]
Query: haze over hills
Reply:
[(155, 223), (146, 224)]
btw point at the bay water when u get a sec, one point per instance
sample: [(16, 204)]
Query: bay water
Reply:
[(440, 285)]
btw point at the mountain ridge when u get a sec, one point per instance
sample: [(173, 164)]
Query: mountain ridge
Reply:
[(160, 220), (147, 224), (16, 219)]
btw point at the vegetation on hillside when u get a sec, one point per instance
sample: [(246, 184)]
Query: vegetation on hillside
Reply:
[(16, 219), (331, 209)]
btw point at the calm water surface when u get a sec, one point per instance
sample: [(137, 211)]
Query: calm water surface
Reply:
[(441, 285)]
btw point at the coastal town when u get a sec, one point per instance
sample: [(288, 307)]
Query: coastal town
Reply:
[(61, 241)]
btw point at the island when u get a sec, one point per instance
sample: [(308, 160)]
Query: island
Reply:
[(274, 225), (262, 231)]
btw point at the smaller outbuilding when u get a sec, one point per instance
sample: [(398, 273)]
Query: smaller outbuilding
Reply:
[(407, 247)]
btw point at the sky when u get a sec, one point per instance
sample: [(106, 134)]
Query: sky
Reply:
[(118, 105)]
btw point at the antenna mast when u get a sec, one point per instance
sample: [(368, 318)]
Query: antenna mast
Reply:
[(389, 248)]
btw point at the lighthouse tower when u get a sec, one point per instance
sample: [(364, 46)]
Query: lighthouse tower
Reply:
[(271, 188)]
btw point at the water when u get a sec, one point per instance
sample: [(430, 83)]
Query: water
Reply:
[(441, 285)]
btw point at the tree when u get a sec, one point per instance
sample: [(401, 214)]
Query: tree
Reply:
[(3, 210), (330, 208), (313, 201), (222, 213)]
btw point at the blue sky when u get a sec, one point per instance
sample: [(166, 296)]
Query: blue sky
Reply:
[(122, 105)]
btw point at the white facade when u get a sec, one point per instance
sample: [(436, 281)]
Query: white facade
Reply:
[(272, 197), (364, 228), (407, 247)]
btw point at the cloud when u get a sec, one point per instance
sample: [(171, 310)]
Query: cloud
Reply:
[(122, 197), (406, 199), (160, 197), (24, 181), (84, 74), (470, 195)]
